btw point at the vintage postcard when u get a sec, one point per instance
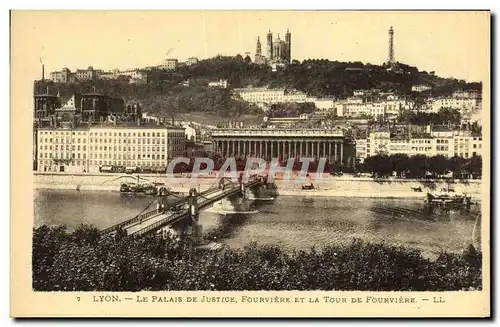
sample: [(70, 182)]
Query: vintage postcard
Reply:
[(250, 163)]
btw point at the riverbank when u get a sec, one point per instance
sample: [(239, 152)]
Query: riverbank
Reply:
[(345, 186)]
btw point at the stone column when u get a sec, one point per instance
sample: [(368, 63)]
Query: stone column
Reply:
[(289, 149), (324, 149), (342, 152), (266, 155), (300, 147), (295, 149), (260, 149), (255, 148), (318, 150), (330, 151), (272, 149), (284, 149), (233, 153), (244, 148), (335, 151)]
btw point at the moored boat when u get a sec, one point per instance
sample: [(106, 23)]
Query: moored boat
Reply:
[(447, 199)]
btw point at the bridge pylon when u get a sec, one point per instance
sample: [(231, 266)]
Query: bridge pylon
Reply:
[(196, 228), (162, 196)]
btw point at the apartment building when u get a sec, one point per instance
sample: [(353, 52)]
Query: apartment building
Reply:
[(170, 64), (464, 105), (192, 61), (420, 88), (446, 143), (86, 149), (264, 97)]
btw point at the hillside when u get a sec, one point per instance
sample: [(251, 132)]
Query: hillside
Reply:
[(166, 95)]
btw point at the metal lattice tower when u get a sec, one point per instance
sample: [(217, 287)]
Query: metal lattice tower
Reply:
[(390, 58)]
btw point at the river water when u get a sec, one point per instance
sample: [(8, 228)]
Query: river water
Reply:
[(290, 222)]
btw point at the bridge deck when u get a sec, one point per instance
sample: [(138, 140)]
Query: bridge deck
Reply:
[(153, 220)]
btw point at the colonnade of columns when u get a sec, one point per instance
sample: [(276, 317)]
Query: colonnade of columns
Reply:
[(282, 149)]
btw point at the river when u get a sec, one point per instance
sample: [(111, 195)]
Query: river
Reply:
[(290, 222)]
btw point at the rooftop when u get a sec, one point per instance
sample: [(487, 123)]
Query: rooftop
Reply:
[(108, 125)]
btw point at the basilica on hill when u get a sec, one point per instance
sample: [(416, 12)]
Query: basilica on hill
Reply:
[(278, 51)]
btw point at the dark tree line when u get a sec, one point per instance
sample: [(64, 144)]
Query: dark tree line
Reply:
[(85, 261), (290, 109), (445, 116), (420, 166)]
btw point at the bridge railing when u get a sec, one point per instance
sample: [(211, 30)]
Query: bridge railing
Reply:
[(138, 218), (130, 221), (160, 224)]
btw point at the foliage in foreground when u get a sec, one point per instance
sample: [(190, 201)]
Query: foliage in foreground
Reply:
[(84, 261)]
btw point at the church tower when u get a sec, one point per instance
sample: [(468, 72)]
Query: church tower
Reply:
[(270, 45), (258, 52), (288, 41)]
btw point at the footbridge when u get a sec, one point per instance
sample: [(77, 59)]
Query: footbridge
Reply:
[(183, 211)]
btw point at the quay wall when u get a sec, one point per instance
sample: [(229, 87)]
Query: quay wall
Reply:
[(326, 186)]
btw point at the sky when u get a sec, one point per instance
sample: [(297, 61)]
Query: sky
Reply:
[(453, 44)]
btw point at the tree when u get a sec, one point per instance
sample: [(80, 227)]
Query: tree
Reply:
[(438, 165), (379, 165), (418, 166), (475, 166), (399, 163), (457, 166), (85, 234), (476, 128)]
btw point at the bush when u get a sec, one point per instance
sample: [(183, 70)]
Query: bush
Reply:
[(70, 262)]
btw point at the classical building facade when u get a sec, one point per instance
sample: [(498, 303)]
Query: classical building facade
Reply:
[(280, 143)]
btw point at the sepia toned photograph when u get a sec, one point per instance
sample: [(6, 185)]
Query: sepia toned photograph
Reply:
[(216, 151)]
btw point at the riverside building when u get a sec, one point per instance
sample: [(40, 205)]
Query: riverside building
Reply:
[(436, 141), (282, 143), (88, 148)]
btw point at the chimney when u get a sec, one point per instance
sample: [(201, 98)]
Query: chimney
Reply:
[(173, 121), (138, 121), (158, 121), (43, 72)]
